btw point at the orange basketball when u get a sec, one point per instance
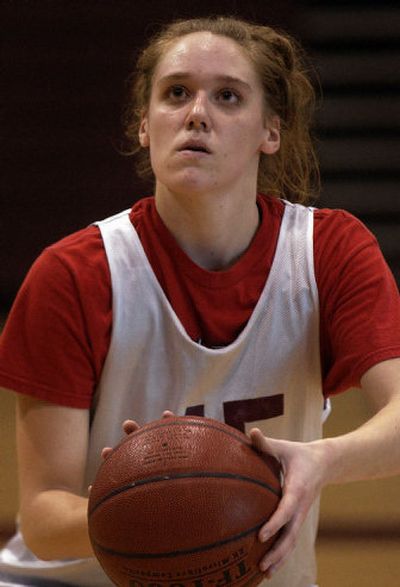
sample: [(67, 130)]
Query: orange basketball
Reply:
[(180, 502)]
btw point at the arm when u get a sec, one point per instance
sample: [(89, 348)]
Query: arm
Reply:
[(52, 448), (371, 451)]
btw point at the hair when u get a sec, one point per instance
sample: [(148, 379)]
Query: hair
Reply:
[(293, 171)]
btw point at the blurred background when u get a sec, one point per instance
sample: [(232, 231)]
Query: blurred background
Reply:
[(65, 63)]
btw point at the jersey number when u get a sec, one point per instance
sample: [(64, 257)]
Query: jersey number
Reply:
[(237, 412)]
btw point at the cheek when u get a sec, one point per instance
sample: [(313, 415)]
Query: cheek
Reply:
[(242, 146), (247, 131), (163, 124), (158, 139)]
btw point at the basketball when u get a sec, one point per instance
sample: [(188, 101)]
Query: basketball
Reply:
[(179, 502)]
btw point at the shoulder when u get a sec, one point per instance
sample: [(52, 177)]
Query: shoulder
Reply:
[(82, 254), (60, 318), (85, 245), (71, 275), (359, 299), (71, 267), (329, 222), (338, 235), (340, 241)]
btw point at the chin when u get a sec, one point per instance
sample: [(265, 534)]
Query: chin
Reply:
[(190, 183)]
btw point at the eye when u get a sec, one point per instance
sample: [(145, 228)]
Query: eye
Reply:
[(229, 96), (177, 93)]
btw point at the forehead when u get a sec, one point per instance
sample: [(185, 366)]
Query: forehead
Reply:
[(206, 54)]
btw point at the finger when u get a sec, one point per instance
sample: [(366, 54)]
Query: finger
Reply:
[(107, 450), (130, 426), (89, 489), (286, 510), (168, 414), (264, 444), (282, 548)]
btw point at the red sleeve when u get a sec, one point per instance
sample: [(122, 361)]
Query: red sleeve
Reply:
[(60, 318), (359, 300)]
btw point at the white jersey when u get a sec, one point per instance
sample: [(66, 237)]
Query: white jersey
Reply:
[(269, 376)]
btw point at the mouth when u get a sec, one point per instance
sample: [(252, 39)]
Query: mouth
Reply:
[(195, 147)]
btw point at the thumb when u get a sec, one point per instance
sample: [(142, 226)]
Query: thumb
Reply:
[(271, 446)]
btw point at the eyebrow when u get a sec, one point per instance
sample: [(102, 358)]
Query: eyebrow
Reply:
[(226, 79)]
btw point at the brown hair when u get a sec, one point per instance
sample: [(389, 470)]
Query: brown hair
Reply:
[(292, 172)]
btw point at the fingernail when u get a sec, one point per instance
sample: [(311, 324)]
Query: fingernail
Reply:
[(272, 570), (264, 536), (263, 567)]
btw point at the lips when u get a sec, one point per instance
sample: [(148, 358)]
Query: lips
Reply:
[(195, 146)]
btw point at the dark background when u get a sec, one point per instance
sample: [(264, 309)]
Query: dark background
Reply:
[(63, 84)]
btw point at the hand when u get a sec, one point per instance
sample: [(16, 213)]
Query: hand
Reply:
[(128, 427), (303, 467)]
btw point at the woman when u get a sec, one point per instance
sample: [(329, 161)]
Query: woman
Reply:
[(215, 297)]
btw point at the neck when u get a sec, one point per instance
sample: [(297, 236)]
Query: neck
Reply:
[(214, 230)]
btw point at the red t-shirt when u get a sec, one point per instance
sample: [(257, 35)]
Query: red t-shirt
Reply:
[(58, 332)]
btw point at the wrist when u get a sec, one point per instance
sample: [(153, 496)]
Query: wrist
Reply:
[(328, 460)]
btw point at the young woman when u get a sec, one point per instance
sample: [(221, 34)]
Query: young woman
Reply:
[(223, 295)]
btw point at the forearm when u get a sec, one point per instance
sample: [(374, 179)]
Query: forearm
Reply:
[(369, 452), (54, 525)]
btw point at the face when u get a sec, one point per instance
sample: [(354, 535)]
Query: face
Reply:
[(206, 123)]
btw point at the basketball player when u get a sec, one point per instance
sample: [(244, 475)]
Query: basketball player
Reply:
[(224, 296)]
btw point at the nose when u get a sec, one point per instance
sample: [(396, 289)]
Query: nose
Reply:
[(198, 117)]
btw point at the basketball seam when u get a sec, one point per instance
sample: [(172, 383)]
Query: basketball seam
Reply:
[(176, 553), (187, 475), (189, 420), (204, 423)]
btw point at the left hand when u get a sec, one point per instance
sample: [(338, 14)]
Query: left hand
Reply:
[(303, 467), (128, 427)]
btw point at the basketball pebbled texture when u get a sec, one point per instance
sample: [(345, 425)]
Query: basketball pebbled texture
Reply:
[(180, 502)]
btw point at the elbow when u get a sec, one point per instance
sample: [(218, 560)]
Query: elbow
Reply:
[(54, 533), (37, 533), (37, 542)]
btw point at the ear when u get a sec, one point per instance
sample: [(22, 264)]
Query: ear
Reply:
[(272, 136), (144, 138)]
